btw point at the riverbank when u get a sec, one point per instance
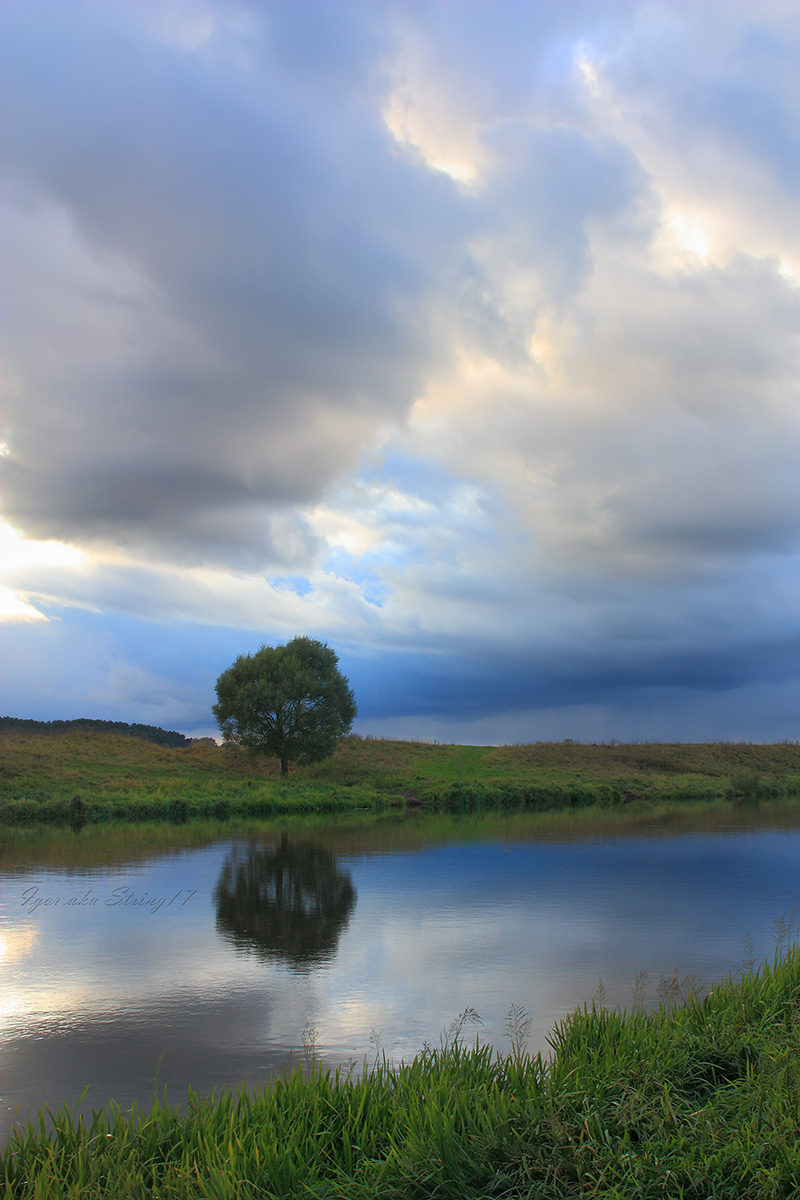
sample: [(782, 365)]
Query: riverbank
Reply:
[(87, 776), (696, 1099)]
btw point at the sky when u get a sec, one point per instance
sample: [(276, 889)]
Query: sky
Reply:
[(462, 335)]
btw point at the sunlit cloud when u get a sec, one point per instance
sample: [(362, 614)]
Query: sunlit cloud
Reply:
[(17, 552), (14, 608), (690, 234), (587, 68), (18, 555)]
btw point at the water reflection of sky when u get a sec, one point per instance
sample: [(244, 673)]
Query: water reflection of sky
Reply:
[(119, 991)]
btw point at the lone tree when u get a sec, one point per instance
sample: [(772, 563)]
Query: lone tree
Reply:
[(291, 702)]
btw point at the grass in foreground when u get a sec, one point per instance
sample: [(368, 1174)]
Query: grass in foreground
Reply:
[(85, 775), (700, 1101)]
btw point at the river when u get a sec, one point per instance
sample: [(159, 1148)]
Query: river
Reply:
[(136, 959)]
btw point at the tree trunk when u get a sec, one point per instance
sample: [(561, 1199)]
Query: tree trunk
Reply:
[(285, 768)]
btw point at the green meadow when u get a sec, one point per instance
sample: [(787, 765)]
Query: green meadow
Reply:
[(84, 776)]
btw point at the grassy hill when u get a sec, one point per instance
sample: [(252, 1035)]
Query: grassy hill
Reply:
[(85, 774)]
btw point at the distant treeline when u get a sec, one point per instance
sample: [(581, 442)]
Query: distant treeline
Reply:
[(150, 733)]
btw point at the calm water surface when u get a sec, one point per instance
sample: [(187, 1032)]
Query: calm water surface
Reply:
[(142, 958)]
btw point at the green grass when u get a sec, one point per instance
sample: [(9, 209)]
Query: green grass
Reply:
[(83, 776), (699, 1100)]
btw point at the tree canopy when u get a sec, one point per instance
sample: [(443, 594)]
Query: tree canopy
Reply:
[(291, 702)]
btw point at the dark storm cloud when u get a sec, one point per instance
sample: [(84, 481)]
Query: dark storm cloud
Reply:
[(464, 689), (281, 251)]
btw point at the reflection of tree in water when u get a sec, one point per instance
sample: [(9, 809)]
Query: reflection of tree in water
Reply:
[(288, 901)]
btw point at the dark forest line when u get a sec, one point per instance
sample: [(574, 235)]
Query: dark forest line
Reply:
[(150, 733)]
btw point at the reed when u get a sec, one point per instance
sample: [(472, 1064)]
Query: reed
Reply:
[(698, 1099)]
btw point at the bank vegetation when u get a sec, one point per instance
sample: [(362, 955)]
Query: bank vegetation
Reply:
[(698, 1099), (86, 775)]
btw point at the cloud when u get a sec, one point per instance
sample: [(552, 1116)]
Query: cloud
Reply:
[(257, 255), (464, 337)]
